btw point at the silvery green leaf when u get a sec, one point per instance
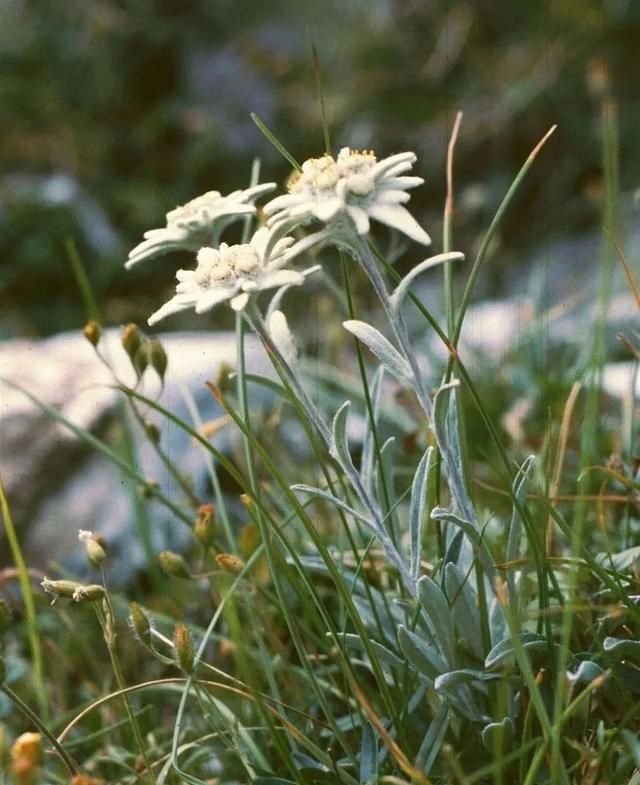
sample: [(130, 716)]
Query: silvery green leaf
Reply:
[(304, 761), (368, 755), (464, 608), (373, 621), (329, 497), (445, 426), (447, 681), (385, 655), (388, 355), (459, 551), (498, 735), (472, 533), (339, 445), (623, 648), (498, 628), (456, 686), (416, 510), (387, 467), (436, 607), (620, 561), (585, 673), (633, 745), (503, 652), (424, 658), (433, 739), (402, 288), (514, 538), (367, 464)]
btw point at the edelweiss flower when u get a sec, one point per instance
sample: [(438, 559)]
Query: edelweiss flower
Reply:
[(355, 184), (198, 222), (233, 272)]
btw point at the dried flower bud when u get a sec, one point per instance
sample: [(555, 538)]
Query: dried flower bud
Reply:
[(85, 779), (183, 648), (598, 78), (204, 527), (59, 588), (147, 491), (77, 592), (91, 593), (226, 647), (140, 623), (25, 754), (152, 431), (173, 564), (223, 382), (92, 332), (230, 563), (131, 339), (93, 547), (5, 617), (157, 357)]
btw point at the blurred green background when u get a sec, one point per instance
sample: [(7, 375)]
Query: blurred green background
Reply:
[(114, 111)]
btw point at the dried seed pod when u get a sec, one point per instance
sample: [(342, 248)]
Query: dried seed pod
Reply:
[(183, 648), (230, 563), (204, 528)]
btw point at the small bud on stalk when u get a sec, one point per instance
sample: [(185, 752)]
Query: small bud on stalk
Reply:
[(173, 564), (92, 333), (204, 527), (157, 357), (131, 339), (140, 623), (94, 548)]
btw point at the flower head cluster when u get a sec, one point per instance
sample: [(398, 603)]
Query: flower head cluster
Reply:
[(345, 193), (356, 185), (198, 223), (233, 272)]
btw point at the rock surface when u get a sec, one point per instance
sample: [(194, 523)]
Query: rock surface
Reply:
[(56, 484)]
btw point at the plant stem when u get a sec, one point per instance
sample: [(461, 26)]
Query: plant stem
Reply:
[(30, 609), (69, 762), (107, 622)]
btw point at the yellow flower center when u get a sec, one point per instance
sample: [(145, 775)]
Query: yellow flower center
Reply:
[(323, 174)]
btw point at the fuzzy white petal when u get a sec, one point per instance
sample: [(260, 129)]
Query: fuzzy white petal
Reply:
[(175, 305), (328, 209), (281, 278), (239, 302), (360, 219), (401, 162), (214, 297), (401, 219), (400, 183)]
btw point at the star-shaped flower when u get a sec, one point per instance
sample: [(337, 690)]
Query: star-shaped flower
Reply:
[(198, 223), (234, 272), (354, 184)]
